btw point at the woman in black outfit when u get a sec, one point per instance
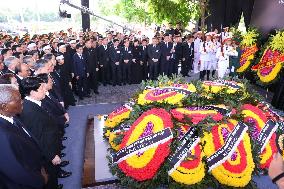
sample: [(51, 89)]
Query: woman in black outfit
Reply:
[(65, 81), (137, 64)]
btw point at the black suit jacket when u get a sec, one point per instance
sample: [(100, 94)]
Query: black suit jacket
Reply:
[(188, 51), (127, 55), (80, 65), (178, 51), (165, 50), (57, 88), (103, 55), (91, 59), (154, 52), (43, 127), (68, 59), (115, 55), (54, 108), (144, 54), (20, 158)]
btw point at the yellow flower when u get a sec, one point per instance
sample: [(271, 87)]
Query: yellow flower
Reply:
[(114, 121), (221, 173), (112, 136), (272, 75), (171, 97)]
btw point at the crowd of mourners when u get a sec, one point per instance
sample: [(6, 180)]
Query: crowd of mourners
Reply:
[(41, 75)]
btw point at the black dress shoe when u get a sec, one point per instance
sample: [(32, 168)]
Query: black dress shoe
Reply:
[(62, 155), (64, 174), (59, 186), (64, 163), (64, 138)]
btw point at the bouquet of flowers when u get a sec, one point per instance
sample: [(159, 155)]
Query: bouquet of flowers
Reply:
[(272, 59)]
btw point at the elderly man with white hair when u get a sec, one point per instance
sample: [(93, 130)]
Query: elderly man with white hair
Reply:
[(20, 157)]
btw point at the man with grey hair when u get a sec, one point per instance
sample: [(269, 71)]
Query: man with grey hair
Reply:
[(42, 66), (28, 60), (11, 63), (20, 157)]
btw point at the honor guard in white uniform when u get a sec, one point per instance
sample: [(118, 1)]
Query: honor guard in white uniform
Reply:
[(226, 34), (205, 49), (223, 54), (214, 60), (197, 43)]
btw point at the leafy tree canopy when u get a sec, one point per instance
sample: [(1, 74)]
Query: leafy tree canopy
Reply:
[(152, 10)]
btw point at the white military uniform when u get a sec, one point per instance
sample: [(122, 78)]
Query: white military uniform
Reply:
[(205, 55), (223, 59), (197, 43), (214, 60), (226, 35)]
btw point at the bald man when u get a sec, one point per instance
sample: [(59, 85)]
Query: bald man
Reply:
[(20, 157)]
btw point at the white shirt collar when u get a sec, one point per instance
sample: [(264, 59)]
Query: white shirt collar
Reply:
[(21, 78), (47, 94), (7, 118), (34, 101), (11, 70)]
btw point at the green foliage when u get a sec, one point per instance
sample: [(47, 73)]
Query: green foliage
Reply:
[(149, 11)]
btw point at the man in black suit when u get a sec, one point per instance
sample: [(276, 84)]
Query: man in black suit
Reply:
[(20, 157), (42, 126), (176, 55), (103, 57), (21, 71), (115, 55), (144, 60), (57, 111), (154, 55), (166, 48), (81, 72), (30, 61), (127, 57), (92, 61), (187, 55)]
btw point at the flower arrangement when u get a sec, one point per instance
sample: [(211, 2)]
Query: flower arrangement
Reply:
[(177, 143), (272, 59), (248, 48), (115, 117)]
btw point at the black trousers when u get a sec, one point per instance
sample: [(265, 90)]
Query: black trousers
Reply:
[(153, 70), (145, 70), (126, 72), (82, 86), (105, 74), (186, 66), (116, 74), (52, 171), (92, 81), (165, 67), (174, 66)]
